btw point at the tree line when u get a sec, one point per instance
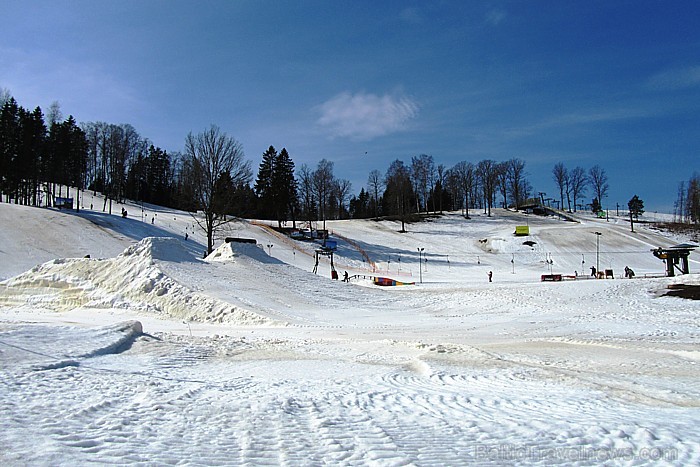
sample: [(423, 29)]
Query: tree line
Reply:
[(40, 155), (686, 208)]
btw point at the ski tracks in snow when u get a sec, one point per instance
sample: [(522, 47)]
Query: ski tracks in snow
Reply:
[(168, 399)]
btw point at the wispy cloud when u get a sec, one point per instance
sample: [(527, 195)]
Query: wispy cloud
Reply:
[(411, 15), (365, 116), (576, 119), (680, 78), (495, 17)]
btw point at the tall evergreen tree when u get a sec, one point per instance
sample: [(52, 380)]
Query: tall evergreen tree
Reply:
[(67, 155), (10, 141), (158, 176), (31, 150), (636, 208), (284, 187), (360, 205), (264, 184)]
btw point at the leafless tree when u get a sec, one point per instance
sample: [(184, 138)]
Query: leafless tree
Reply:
[(111, 151), (561, 177), (487, 173), (306, 191), (54, 114), (577, 184), (342, 190), (213, 153), (599, 182), (5, 96), (422, 175), (399, 190), (679, 205), (439, 186), (323, 185), (375, 184), (502, 181), (465, 175), (518, 186), (693, 199)]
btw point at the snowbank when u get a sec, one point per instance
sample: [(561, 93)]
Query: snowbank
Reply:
[(133, 280)]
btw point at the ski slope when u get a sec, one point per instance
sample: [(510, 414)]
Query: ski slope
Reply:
[(148, 353)]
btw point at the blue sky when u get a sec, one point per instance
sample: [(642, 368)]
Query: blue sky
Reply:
[(613, 83)]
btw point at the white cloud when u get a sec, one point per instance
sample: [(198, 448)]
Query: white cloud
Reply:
[(680, 78), (365, 116)]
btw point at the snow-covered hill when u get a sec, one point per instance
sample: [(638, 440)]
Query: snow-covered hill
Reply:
[(147, 352)]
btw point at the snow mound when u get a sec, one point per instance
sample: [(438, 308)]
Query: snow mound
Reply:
[(229, 251), (160, 248), (133, 280), (28, 345), (223, 253)]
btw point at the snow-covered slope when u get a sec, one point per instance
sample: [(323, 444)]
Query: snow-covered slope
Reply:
[(148, 353)]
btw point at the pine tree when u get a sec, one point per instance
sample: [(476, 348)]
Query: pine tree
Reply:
[(264, 183), (636, 207), (284, 187), (31, 150), (10, 141)]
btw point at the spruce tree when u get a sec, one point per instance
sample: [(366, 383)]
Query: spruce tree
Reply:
[(10, 140), (33, 142), (264, 183), (284, 187), (636, 207)]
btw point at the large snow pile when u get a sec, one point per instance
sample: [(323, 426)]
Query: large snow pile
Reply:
[(132, 280)]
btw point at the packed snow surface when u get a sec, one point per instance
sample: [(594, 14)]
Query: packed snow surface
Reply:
[(148, 352)]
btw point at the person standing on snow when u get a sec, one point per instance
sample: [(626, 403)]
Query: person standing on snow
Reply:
[(490, 276)]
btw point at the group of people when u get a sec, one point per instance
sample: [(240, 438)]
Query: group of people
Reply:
[(629, 273)]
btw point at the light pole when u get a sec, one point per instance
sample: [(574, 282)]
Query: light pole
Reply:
[(420, 263), (597, 251)]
